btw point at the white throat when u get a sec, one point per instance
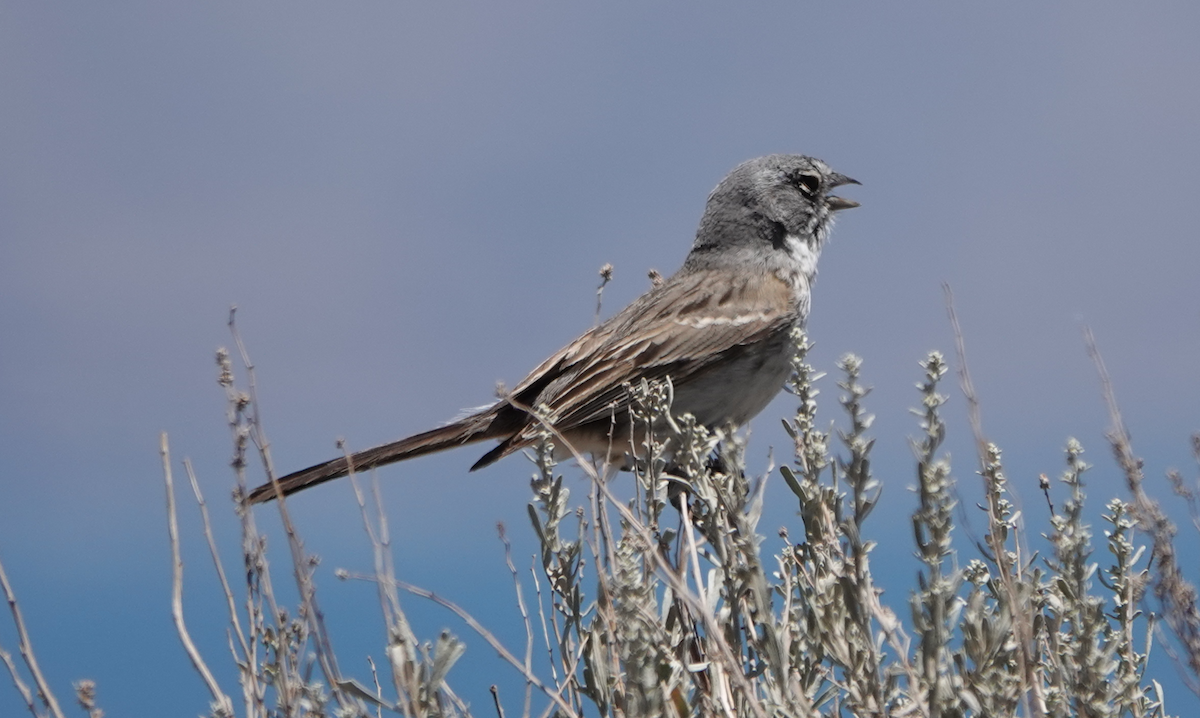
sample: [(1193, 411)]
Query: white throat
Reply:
[(799, 260), (804, 257)]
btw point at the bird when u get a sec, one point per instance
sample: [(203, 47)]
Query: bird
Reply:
[(719, 328)]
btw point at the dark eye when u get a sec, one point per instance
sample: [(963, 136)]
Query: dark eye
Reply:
[(806, 183)]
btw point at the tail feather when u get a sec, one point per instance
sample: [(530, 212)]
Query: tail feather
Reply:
[(466, 431)]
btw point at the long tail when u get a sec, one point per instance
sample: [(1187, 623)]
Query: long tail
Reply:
[(466, 431)]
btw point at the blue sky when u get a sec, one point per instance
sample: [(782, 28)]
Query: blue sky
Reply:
[(408, 204)]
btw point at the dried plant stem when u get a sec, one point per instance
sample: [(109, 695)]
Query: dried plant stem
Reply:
[(22, 687), (524, 614), (301, 565), (606, 275), (479, 629), (221, 700), (964, 375), (1176, 594), (245, 659), (25, 647), (997, 530)]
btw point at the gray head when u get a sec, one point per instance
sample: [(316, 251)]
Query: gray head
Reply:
[(765, 200)]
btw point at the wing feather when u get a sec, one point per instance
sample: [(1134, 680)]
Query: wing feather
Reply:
[(653, 338)]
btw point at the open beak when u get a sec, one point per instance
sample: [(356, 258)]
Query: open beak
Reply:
[(836, 203)]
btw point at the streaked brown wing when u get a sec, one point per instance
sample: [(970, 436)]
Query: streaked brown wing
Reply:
[(679, 329)]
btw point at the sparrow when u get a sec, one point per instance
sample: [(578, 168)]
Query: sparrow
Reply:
[(719, 329)]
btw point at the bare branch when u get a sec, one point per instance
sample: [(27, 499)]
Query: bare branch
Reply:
[(1175, 593), (479, 629), (22, 687), (219, 698), (25, 646)]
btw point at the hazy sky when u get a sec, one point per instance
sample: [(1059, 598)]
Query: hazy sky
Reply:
[(408, 204)]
